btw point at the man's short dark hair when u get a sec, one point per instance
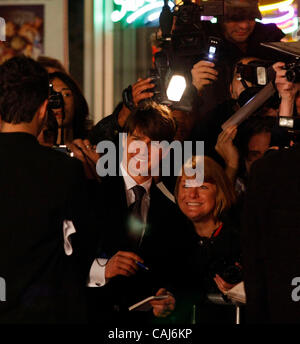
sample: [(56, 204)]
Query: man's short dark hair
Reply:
[(253, 126), (24, 86), (50, 62), (153, 120)]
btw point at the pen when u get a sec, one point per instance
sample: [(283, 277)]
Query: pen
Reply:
[(142, 266), (137, 262)]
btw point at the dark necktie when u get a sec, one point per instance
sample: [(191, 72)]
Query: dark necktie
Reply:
[(136, 207), (135, 220)]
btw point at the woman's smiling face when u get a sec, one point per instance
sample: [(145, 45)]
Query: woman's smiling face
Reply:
[(197, 202)]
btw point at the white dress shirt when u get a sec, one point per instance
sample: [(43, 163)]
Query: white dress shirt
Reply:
[(97, 272)]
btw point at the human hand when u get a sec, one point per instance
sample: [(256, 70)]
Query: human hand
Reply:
[(163, 308), (223, 286), (226, 148), (203, 73), (142, 90), (138, 94), (123, 263), (85, 152), (286, 89)]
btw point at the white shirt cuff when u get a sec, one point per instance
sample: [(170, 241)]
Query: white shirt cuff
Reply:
[(68, 230), (97, 273)]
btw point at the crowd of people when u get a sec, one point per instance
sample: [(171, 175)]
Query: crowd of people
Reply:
[(76, 247)]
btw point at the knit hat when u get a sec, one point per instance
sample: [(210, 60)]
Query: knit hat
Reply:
[(241, 9)]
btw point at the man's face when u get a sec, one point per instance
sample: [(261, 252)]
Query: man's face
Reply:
[(141, 155), (239, 31), (257, 146)]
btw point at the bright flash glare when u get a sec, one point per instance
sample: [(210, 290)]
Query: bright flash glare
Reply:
[(176, 88)]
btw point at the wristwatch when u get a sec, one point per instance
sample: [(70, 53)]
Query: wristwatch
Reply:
[(127, 98)]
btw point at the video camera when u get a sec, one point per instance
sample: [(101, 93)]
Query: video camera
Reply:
[(184, 40), (182, 45)]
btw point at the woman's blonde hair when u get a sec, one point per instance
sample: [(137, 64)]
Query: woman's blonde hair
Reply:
[(214, 174)]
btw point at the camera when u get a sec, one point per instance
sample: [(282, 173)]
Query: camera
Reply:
[(56, 100), (63, 149), (293, 71), (226, 269), (185, 40), (258, 72), (290, 127)]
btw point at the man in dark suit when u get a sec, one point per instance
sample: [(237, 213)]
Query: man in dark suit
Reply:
[(133, 238), (40, 189), (271, 238)]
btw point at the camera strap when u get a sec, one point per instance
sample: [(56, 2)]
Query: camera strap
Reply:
[(217, 231), (205, 241)]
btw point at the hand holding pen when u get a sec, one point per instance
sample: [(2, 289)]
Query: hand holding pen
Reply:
[(125, 264)]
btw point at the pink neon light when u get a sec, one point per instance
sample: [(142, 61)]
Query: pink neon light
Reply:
[(282, 19)]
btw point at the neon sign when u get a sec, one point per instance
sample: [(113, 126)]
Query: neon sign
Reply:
[(135, 9), (283, 14)]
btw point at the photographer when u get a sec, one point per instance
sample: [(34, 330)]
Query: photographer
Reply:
[(72, 115), (288, 91), (209, 127), (241, 36), (242, 90), (241, 147), (109, 127)]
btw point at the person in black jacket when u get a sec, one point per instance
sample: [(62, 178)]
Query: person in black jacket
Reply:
[(42, 195), (146, 238), (270, 238), (210, 245), (241, 36)]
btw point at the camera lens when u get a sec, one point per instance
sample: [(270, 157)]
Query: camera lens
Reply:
[(290, 75), (293, 75)]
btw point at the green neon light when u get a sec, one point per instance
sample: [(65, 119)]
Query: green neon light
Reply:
[(136, 8)]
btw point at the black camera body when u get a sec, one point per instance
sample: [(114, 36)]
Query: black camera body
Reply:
[(293, 71), (258, 72), (190, 37), (181, 48), (63, 149), (56, 100), (226, 269)]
